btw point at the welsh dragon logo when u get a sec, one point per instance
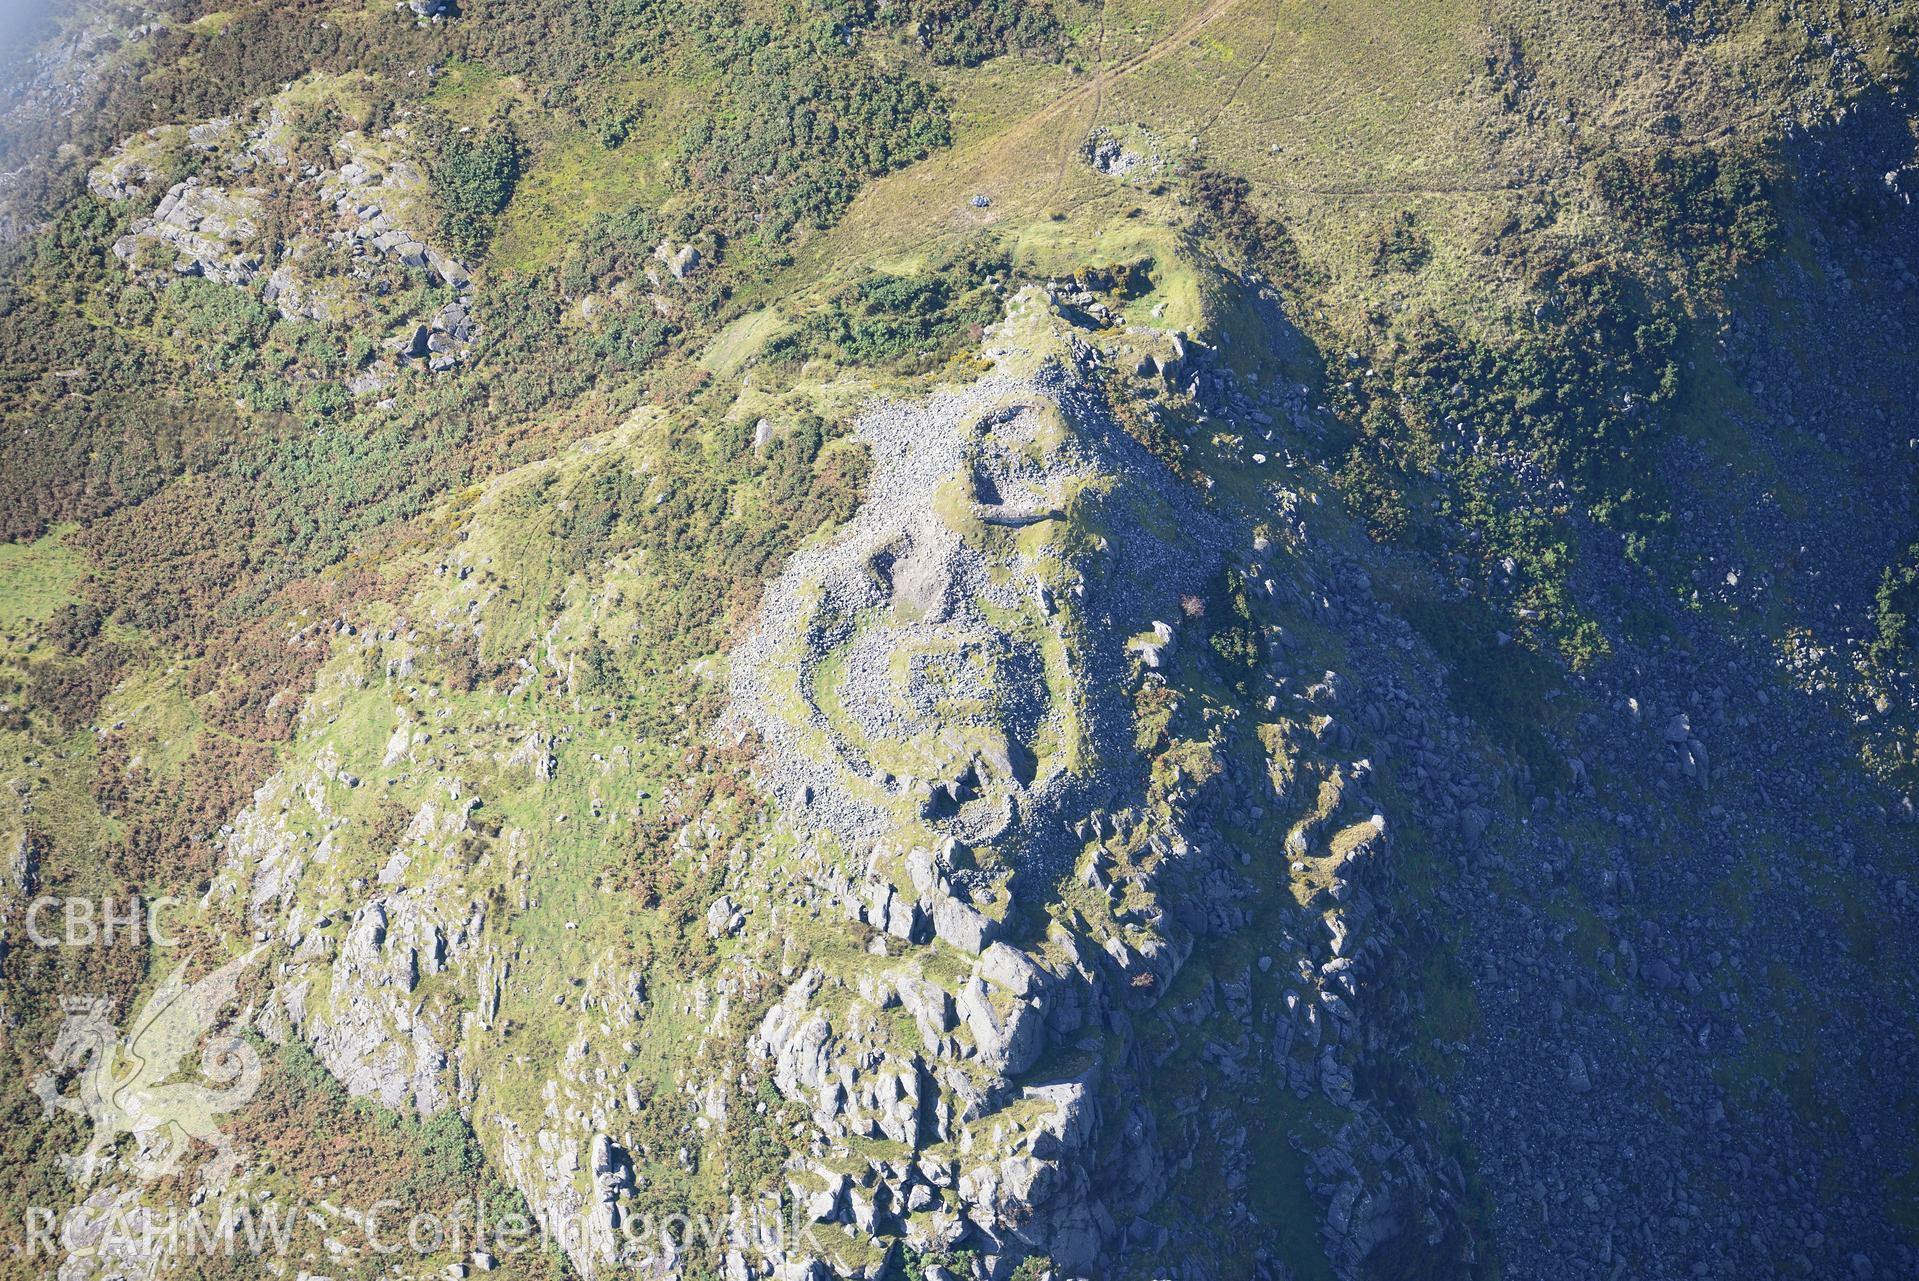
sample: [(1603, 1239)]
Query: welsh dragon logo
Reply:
[(123, 1084)]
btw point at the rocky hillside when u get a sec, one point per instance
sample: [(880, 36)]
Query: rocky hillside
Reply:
[(943, 641)]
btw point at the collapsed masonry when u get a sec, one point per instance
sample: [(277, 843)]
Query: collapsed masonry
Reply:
[(1006, 1113)]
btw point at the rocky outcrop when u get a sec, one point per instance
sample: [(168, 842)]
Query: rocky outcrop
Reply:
[(210, 225), (999, 980), (210, 231)]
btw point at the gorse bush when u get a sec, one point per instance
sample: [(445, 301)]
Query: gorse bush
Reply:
[(1400, 245), (1564, 400), (1576, 388), (473, 179), (567, 45), (1890, 665), (1230, 220), (963, 33), (1894, 644), (1235, 640), (904, 324), (224, 328), (1715, 211), (802, 122)]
